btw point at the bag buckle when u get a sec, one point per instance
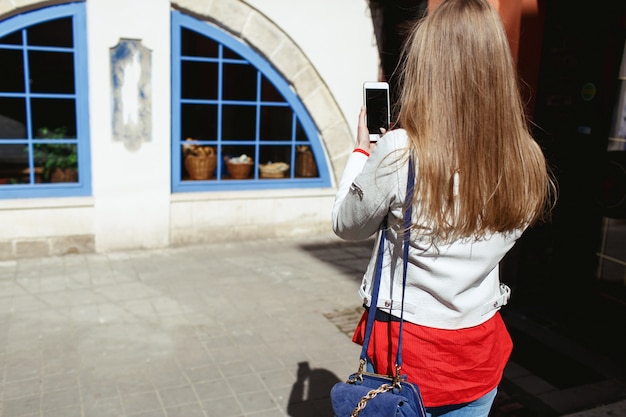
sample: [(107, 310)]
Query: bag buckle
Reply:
[(358, 376), (397, 380)]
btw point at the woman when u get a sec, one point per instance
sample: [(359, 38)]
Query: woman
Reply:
[(480, 180)]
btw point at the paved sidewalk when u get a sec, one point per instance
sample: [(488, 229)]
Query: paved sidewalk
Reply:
[(232, 329), (229, 329)]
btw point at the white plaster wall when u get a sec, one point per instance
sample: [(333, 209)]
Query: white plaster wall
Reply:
[(338, 38), (206, 217), (131, 188), (41, 218)]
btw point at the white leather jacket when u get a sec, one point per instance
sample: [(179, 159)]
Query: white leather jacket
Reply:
[(449, 286)]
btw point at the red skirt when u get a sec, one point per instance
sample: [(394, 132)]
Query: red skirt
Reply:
[(449, 366)]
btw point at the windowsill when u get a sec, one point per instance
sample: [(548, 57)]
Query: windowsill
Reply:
[(253, 194), (43, 203)]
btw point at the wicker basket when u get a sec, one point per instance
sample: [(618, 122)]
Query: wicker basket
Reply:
[(64, 175), (305, 162), (274, 170), (239, 170), (201, 166)]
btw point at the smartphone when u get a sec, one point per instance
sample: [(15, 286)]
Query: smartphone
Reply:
[(376, 101)]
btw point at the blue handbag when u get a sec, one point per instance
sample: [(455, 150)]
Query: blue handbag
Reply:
[(366, 394)]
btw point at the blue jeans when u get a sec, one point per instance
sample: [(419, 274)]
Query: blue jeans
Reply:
[(477, 408)]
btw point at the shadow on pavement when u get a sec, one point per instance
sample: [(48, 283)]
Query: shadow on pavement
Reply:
[(350, 258), (310, 393)]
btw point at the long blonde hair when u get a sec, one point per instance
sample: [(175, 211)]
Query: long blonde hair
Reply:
[(461, 107)]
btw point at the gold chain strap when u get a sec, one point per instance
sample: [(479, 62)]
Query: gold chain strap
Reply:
[(371, 394)]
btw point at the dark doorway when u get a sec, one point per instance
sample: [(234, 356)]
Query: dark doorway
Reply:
[(392, 21)]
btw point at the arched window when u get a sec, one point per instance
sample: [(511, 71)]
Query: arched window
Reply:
[(236, 123), (44, 134)]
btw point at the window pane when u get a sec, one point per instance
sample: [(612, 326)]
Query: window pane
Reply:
[(300, 133), (51, 133), (239, 162), (194, 44), (230, 54), (14, 38), (13, 164), (51, 72), (12, 118), (198, 162), (269, 92), (276, 123), (199, 121), (275, 161), (59, 162), (239, 82), (199, 80), (12, 79), (280, 153), (53, 33), (238, 123), (306, 166), (54, 115)]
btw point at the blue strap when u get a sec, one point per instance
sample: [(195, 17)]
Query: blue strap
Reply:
[(408, 214), (379, 267), (375, 289)]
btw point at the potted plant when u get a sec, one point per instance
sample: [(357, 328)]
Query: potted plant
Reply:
[(58, 160)]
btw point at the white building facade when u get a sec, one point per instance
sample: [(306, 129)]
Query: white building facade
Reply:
[(183, 121)]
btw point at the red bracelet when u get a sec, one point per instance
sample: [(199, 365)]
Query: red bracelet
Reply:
[(363, 151)]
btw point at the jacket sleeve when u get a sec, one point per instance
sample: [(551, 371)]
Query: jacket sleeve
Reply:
[(366, 191)]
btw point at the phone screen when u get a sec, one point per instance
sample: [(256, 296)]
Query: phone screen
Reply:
[(377, 109)]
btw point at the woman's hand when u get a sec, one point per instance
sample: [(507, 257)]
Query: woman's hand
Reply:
[(363, 134)]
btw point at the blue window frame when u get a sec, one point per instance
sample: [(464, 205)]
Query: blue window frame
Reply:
[(44, 121), (229, 103)]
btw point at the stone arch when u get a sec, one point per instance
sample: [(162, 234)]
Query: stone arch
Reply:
[(255, 29), (11, 8)]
